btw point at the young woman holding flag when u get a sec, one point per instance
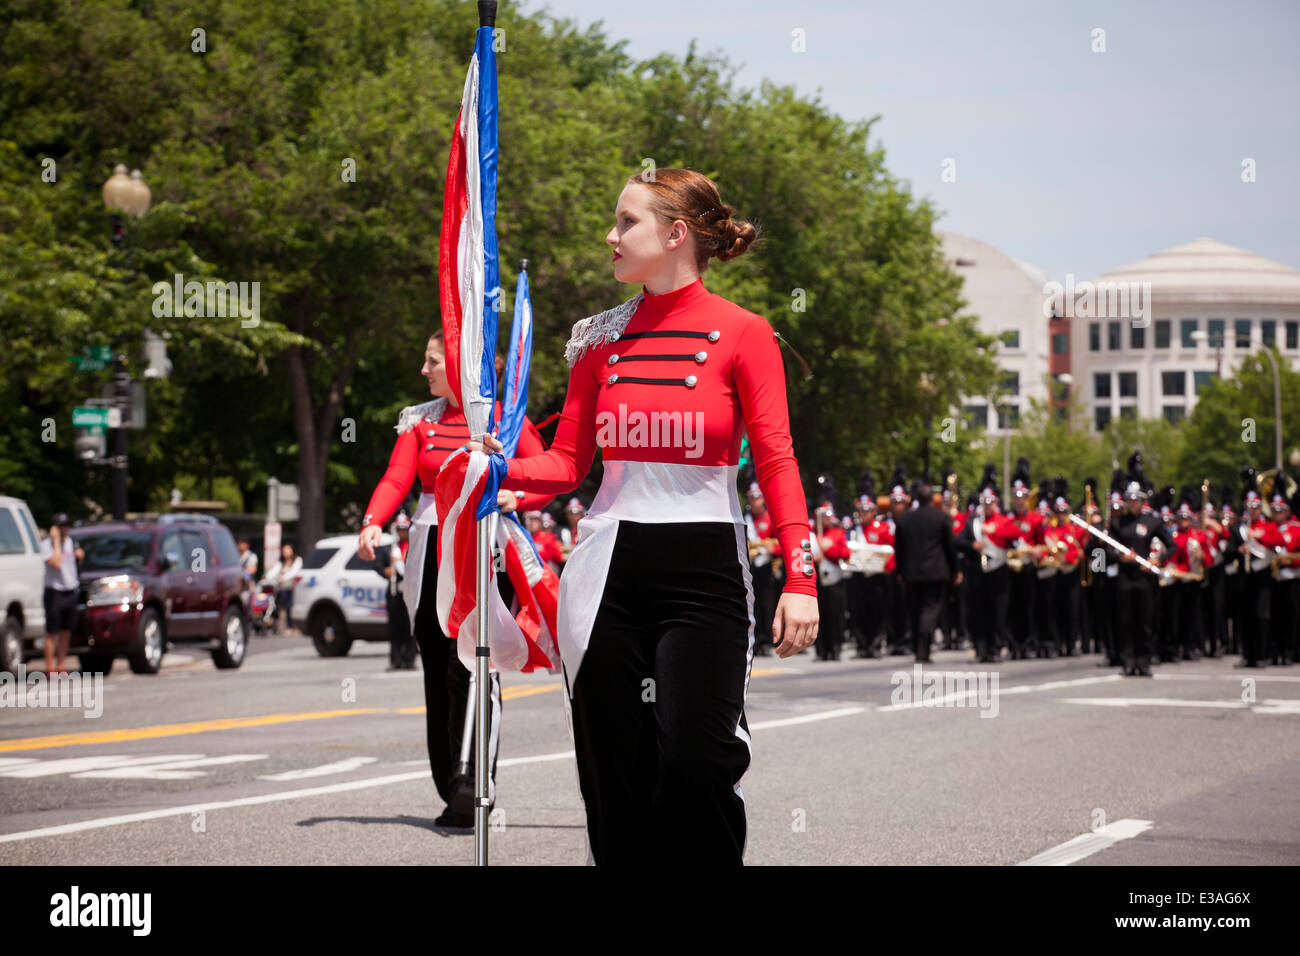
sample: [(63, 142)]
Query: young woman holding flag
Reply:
[(656, 625), (426, 435)]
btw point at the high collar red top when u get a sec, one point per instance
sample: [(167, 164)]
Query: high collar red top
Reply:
[(421, 450), (688, 376)]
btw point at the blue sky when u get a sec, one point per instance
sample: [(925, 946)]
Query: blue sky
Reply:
[(1068, 159)]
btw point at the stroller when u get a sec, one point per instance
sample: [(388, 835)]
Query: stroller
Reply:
[(261, 607)]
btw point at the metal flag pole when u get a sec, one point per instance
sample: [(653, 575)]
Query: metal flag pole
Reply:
[(487, 17)]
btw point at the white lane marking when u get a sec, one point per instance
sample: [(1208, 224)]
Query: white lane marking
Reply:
[(177, 768), (974, 692), (344, 787), (1087, 844), (46, 768), (6, 762), (807, 718), (340, 766), (1267, 706), (1236, 678)]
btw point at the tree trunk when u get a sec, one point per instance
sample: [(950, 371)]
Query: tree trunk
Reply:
[(311, 500)]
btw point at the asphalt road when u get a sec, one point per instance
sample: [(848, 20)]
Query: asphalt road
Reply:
[(295, 759)]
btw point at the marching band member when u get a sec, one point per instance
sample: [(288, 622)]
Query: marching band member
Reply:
[(1191, 547), (1213, 618), (829, 548), (1285, 596), (426, 435), (1024, 583), (548, 545), (985, 541), (1066, 553), (952, 621), (865, 581), (1258, 537), (899, 502), (1135, 587), (763, 550), (655, 608), (1230, 546), (573, 513)]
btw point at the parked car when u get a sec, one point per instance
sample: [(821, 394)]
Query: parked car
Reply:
[(22, 584), (150, 585), (341, 598)]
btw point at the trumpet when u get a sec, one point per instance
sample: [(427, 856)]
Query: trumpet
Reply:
[(1196, 558), (1018, 558)]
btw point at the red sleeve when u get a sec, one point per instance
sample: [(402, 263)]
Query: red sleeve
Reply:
[(566, 464), (839, 549), (1004, 534), (396, 483), (760, 382), (530, 444), (1272, 537)]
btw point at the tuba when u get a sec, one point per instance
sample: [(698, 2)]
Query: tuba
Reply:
[(1267, 482)]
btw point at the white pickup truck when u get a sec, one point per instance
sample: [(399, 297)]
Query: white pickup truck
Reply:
[(22, 584)]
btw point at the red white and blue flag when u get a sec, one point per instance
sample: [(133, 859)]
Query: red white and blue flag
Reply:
[(467, 485)]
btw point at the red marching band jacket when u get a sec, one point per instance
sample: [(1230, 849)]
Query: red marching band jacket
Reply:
[(421, 450)]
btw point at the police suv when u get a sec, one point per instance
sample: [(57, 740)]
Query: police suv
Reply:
[(341, 598)]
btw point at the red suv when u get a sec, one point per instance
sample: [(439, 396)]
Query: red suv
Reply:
[(148, 585)]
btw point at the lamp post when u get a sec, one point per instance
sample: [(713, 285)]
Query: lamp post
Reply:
[(1277, 410), (127, 195)]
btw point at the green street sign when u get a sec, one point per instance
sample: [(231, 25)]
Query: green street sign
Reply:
[(83, 417), (92, 358)]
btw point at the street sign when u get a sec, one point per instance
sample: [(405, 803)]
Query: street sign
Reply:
[(114, 417), (92, 358), (83, 417)]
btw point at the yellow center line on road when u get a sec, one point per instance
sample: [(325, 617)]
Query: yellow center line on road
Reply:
[(173, 730), (517, 692)]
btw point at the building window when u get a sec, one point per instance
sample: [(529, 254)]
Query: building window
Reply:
[(1293, 335), (1113, 336), (1202, 380), (1243, 333), (1101, 385), (1186, 329), (1162, 333), (1174, 414), (1060, 344), (1173, 383), (1011, 384), (1214, 331), (1011, 338), (1128, 412), (1128, 384), (1137, 337), (1101, 417), (1094, 336), (1008, 416), (1268, 332), (977, 416)]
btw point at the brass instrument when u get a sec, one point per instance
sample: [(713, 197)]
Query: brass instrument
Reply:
[(953, 507), (1266, 482), (1085, 572), (867, 558), (1018, 558), (1284, 559)]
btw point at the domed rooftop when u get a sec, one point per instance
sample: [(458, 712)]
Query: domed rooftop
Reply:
[(1209, 272)]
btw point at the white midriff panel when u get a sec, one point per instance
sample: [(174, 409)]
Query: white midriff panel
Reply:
[(667, 493)]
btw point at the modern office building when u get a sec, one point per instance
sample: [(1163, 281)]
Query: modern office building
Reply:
[(1007, 296), (1210, 306)]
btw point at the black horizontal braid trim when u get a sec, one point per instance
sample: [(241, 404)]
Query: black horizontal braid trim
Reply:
[(648, 381), (446, 447), (663, 334), (655, 358)]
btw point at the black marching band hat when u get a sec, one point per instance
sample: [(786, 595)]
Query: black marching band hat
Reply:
[(866, 499), (988, 490), (1060, 495), (1020, 479), (898, 484), (1249, 488)]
